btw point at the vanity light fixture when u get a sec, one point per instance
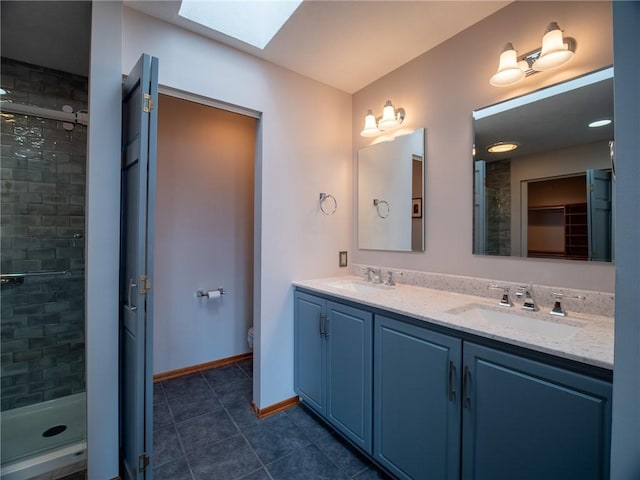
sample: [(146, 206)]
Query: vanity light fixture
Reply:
[(600, 123), (556, 50), (391, 118), (502, 147)]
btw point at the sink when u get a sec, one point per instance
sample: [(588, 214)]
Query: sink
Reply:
[(359, 286), (486, 316)]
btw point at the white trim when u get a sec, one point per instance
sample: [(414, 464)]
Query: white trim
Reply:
[(544, 93), (210, 102)]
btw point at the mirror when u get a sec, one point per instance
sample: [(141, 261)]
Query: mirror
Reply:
[(391, 194), (552, 196)]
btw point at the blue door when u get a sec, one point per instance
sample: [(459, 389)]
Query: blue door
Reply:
[(599, 205), (139, 120)]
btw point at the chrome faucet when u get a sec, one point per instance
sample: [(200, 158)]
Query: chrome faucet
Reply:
[(373, 275), (528, 303), (505, 301), (390, 281), (557, 306)]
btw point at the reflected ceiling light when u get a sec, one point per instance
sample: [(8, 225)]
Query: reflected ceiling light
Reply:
[(502, 147), (599, 123), (391, 118), (556, 50), (3, 91)]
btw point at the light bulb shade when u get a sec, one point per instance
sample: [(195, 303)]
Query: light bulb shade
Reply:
[(370, 128), (509, 70), (554, 50), (389, 119)]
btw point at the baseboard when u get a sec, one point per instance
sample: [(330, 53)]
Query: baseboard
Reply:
[(198, 368), (275, 408)]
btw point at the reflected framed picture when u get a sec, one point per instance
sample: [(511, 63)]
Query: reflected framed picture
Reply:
[(416, 207)]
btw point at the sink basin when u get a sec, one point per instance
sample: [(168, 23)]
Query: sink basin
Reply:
[(359, 286), (484, 316)]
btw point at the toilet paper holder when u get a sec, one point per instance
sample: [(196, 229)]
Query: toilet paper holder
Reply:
[(205, 293)]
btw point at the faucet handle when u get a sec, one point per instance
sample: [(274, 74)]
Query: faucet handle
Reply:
[(505, 301), (390, 282)]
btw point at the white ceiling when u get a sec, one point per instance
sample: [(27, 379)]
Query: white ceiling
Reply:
[(348, 44)]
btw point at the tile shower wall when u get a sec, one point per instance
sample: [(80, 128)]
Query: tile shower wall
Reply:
[(498, 189), (42, 220)]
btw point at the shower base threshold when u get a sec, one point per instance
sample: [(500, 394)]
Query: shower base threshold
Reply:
[(50, 434)]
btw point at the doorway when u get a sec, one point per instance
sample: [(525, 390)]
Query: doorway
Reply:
[(204, 234)]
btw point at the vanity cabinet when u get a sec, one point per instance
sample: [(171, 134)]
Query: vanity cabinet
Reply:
[(445, 404), (527, 420), (333, 364), (416, 401)]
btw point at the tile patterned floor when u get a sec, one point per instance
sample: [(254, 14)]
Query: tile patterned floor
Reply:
[(204, 429)]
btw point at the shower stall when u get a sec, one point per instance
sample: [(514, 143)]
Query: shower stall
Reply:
[(42, 214)]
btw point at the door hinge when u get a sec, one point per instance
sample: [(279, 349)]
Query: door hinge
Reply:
[(143, 462), (148, 103), (145, 284), (592, 187)]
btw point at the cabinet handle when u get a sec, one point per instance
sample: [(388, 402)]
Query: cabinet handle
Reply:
[(452, 377), (466, 377), (321, 325)]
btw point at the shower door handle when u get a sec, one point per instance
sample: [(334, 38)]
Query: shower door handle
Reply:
[(129, 306)]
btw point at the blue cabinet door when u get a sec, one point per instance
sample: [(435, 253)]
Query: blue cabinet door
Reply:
[(309, 350), (416, 401), (527, 420), (349, 370)]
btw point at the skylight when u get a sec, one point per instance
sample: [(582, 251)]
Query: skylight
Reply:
[(251, 21)]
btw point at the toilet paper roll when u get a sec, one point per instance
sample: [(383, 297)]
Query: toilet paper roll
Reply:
[(213, 293)]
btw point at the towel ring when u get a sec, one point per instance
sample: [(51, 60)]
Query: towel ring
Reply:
[(377, 203), (325, 196)]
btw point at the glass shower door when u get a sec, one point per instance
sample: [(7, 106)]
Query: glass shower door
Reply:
[(42, 212)]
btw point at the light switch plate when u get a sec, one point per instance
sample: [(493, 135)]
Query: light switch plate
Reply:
[(343, 259)]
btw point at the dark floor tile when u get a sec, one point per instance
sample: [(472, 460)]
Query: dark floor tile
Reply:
[(236, 393), (243, 415), (175, 470), (223, 375), (347, 458), (82, 475), (205, 430), (188, 404), (190, 384), (275, 437), (246, 366), (166, 445), (158, 393), (257, 475), (161, 414), (313, 427), (228, 459), (308, 463), (372, 473)]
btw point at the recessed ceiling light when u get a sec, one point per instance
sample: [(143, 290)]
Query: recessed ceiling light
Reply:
[(254, 22), (502, 147), (599, 123)]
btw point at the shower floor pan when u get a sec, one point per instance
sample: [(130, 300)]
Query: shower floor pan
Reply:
[(43, 437)]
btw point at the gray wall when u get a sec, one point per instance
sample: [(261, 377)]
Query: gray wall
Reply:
[(43, 184), (625, 455), (203, 234)]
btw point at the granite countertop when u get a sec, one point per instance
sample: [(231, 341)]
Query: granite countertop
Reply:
[(591, 342)]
